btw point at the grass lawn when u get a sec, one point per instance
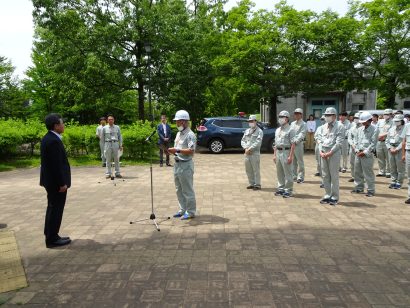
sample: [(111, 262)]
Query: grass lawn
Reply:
[(85, 160)]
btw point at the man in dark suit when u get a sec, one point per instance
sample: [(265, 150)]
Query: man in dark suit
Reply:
[(164, 133), (55, 177)]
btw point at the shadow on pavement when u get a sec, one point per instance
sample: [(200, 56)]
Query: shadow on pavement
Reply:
[(357, 204), (3, 226), (312, 182), (207, 220), (306, 196)]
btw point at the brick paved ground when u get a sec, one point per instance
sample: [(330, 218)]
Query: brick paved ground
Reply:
[(245, 248)]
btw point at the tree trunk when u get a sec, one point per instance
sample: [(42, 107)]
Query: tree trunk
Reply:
[(141, 99), (273, 110)]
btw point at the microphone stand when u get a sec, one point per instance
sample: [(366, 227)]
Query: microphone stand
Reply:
[(152, 216)]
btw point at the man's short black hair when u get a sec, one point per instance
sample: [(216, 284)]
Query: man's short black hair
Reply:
[(399, 112), (51, 120), (344, 113), (110, 115), (375, 115)]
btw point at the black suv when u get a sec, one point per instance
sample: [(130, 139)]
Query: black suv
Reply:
[(226, 132)]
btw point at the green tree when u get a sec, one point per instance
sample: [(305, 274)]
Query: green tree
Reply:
[(386, 40), (13, 102)]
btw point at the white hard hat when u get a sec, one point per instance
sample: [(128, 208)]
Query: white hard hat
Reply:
[(252, 117), (330, 111), (284, 113), (181, 115), (357, 115), (365, 116), (398, 117), (298, 110), (388, 111)]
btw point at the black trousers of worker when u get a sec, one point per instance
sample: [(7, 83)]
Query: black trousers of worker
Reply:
[(54, 215)]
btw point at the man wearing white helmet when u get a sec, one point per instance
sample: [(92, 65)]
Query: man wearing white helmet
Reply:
[(184, 149), (333, 135), (352, 135), (299, 126), (364, 146), (251, 142), (394, 144), (405, 155), (318, 141), (383, 127), (283, 155)]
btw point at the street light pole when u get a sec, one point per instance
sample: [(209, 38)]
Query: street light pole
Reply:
[(152, 217), (147, 46)]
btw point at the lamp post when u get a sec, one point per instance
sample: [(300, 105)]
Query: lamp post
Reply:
[(147, 46)]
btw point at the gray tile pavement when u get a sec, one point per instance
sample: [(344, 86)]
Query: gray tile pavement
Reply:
[(244, 249)]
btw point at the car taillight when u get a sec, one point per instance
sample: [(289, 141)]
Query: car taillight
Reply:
[(201, 128)]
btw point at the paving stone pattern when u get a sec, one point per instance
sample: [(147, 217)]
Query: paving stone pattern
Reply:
[(244, 249)]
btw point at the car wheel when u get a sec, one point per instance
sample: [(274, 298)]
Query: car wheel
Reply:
[(216, 146), (271, 147)]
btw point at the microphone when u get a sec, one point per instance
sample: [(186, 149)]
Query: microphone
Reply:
[(150, 136)]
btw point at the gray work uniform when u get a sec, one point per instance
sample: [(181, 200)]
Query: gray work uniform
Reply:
[(99, 134), (394, 141), (184, 172), (383, 126), (352, 135), (284, 136), (300, 129), (406, 138), (318, 141), (112, 143), (345, 145), (252, 139), (333, 135), (363, 167)]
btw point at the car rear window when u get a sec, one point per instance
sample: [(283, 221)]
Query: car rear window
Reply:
[(232, 123)]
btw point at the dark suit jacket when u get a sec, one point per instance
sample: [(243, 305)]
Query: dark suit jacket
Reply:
[(55, 169), (161, 135)]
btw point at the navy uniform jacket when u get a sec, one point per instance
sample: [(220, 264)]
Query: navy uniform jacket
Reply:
[(160, 131), (55, 169)]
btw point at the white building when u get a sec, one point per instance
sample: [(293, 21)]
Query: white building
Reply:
[(316, 105)]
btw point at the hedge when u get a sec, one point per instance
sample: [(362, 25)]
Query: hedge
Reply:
[(17, 136)]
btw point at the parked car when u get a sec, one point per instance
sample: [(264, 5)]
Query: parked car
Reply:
[(220, 133)]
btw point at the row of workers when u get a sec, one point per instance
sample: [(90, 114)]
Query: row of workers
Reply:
[(334, 140)]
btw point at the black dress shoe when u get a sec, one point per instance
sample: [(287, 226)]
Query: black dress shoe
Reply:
[(249, 187), (57, 243), (317, 174), (64, 237), (407, 201), (351, 180), (169, 165)]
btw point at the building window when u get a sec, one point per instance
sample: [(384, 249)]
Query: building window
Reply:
[(406, 105), (357, 107)]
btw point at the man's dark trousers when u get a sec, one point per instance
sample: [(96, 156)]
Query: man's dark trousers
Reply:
[(54, 214)]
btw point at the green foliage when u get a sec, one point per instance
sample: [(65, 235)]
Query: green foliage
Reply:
[(12, 98), (90, 59), (17, 136), (134, 137)]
